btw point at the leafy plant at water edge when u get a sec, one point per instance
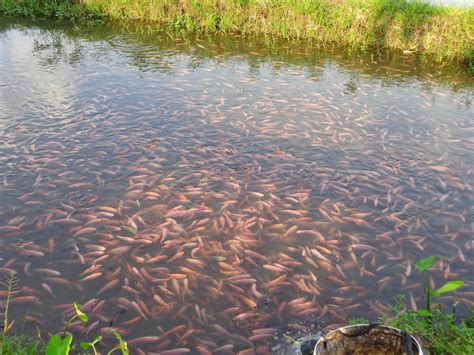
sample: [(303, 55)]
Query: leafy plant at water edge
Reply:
[(441, 332), (423, 265), (57, 344), (61, 345)]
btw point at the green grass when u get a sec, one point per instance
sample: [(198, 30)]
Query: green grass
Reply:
[(59, 9), (440, 332), (19, 345), (441, 33)]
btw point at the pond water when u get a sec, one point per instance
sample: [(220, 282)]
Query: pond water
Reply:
[(203, 194)]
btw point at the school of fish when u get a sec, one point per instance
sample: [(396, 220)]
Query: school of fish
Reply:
[(205, 209)]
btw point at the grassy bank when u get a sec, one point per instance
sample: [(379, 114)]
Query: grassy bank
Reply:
[(59, 9), (443, 33)]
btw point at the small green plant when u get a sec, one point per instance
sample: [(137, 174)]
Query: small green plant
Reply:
[(57, 344), (10, 284), (423, 265), (14, 344), (122, 344), (79, 314), (61, 345), (86, 346)]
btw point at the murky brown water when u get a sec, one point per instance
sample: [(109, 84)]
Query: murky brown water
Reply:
[(203, 194)]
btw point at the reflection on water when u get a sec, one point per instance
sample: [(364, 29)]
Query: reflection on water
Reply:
[(202, 195)]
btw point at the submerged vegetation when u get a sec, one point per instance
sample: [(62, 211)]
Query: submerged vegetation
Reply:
[(408, 26)]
